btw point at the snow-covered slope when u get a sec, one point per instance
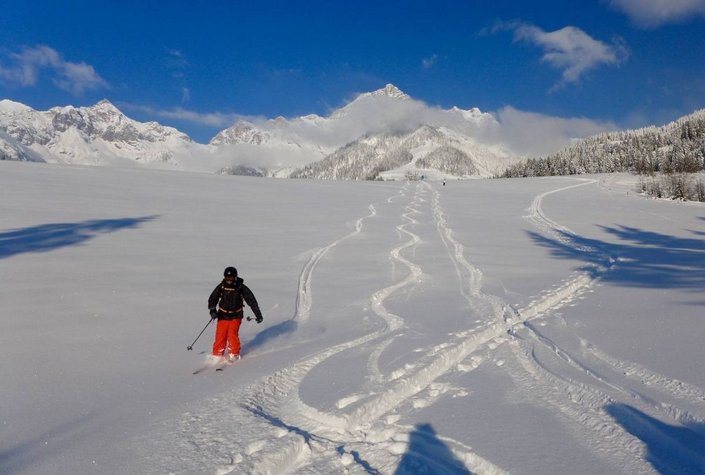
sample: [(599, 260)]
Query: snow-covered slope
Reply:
[(362, 138), (103, 135), (97, 135), (11, 149), (427, 151), (488, 326), (677, 147)]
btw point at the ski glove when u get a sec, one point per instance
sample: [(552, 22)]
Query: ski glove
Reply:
[(214, 313), (259, 319)]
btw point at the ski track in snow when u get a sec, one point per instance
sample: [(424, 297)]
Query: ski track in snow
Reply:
[(363, 432), (304, 297), (612, 381)]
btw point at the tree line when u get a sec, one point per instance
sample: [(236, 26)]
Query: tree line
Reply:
[(667, 157)]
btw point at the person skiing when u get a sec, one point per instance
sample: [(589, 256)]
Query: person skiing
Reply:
[(226, 304)]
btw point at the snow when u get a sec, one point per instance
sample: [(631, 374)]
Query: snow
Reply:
[(489, 326)]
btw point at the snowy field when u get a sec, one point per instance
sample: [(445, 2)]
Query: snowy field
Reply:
[(537, 326)]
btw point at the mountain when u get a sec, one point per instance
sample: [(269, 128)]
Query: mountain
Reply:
[(429, 151), (376, 133), (370, 135), (675, 147), (301, 131), (310, 138), (96, 135)]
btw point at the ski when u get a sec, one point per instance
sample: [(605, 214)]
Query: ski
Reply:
[(227, 363), (209, 365), (203, 369), (219, 366)]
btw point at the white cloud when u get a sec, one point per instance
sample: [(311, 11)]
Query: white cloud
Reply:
[(534, 134), (211, 119), (654, 13), (75, 78), (569, 49), (427, 63), (185, 95), (521, 132), (176, 59), (524, 133)]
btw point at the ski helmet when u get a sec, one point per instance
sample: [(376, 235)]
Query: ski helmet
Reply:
[(230, 272)]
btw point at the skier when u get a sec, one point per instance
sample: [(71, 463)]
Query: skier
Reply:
[(444, 182), (228, 297)]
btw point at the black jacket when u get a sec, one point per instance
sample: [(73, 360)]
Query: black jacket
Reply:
[(229, 300)]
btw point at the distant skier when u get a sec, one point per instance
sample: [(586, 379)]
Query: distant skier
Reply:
[(228, 297), (444, 182)]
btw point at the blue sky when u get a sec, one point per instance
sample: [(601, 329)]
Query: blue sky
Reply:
[(199, 65)]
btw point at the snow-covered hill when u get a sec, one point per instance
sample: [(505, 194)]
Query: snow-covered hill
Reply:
[(537, 326), (428, 151), (97, 135), (675, 147), (372, 136)]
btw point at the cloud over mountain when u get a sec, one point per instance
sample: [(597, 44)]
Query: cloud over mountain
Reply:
[(102, 134), (569, 49)]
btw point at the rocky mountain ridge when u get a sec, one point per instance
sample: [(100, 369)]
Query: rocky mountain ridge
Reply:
[(95, 135), (370, 137)]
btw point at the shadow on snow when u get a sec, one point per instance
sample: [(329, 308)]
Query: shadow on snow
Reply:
[(671, 449), (48, 237), (647, 259), (427, 453), (20, 457), (310, 437), (265, 336)]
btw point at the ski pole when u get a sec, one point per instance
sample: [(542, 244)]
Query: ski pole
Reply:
[(190, 347)]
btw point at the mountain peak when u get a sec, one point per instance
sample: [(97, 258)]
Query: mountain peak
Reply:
[(390, 90), (106, 105)]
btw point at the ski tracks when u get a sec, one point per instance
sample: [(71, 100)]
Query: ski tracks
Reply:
[(363, 432), (305, 297), (583, 385), (366, 434)]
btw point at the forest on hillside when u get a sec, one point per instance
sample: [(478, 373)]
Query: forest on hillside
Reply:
[(670, 158)]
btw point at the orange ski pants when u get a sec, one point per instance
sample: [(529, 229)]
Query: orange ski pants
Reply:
[(227, 336)]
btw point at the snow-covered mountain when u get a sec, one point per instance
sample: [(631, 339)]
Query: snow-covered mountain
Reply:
[(312, 128), (428, 151), (96, 135), (376, 132), (675, 147), (311, 136), (379, 134)]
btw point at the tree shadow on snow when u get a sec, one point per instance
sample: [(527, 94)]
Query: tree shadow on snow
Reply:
[(427, 453), (48, 237), (700, 233), (671, 449), (647, 259)]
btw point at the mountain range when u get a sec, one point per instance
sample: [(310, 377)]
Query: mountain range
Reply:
[(380, 134), (384, 134), (97, 135)]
